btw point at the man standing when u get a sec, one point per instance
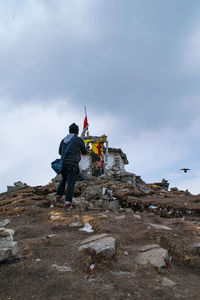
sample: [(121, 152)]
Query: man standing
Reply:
[(71, 164)]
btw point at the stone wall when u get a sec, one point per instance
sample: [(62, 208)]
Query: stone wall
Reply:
[(85, 164), (115, 162)]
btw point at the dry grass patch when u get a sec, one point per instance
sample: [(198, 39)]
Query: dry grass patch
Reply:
[(66, 219)]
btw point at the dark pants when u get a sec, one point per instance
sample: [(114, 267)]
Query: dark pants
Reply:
[(69, 176)]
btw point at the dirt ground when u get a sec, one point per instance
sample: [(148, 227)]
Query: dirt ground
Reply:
[(44, 241)]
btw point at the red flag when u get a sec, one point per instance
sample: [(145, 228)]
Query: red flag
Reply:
[(85, 124), (99, 147)]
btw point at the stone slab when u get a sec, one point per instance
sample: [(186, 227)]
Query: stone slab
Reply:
[(155, 256), (104, 245), (167, 282), (157, 226), (94, 238), (62, 268), (148, 247)]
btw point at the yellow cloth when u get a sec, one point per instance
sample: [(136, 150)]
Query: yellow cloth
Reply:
[(96, 143), (90, 140), (94, 147)]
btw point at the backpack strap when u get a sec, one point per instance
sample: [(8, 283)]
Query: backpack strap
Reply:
[(69, 144)]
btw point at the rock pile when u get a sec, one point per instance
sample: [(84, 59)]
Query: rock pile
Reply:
[(17, 186), (8, 247), (118, 190)]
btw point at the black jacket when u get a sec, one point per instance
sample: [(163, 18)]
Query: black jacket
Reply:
[(76, 148)]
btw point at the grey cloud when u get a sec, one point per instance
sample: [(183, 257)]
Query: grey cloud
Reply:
[(127, 60)]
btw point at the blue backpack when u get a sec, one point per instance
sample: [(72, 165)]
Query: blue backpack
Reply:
[(57, 165)]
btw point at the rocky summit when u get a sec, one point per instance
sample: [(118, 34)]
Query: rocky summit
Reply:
[(124, 239)]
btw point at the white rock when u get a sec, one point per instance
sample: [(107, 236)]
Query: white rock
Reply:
[(75, 224), (120, 217), (62, 268), (137, 216), (157, 226), (168, 282), (153, 206), (51, 235), (8, 252), (122, 273), (4, 222), (38, 259), (6, 241)]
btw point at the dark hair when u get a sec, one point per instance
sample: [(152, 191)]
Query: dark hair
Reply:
[(73, 128)]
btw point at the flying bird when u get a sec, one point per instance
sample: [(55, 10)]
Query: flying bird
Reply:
[(185, 170)]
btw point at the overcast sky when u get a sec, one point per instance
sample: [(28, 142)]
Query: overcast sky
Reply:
[(135, 64)]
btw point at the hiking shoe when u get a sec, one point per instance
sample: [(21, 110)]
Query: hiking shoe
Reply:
[(68, 205), (59, 200)]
